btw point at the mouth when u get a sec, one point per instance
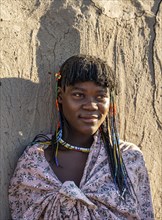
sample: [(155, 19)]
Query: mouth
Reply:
[(89, 118)]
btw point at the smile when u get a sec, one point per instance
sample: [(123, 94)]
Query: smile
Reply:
[(89, 118)]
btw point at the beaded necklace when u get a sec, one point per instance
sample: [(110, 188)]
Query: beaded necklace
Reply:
[(69, 146)]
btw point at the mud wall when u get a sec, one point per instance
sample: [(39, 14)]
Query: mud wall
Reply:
[(37, 36)]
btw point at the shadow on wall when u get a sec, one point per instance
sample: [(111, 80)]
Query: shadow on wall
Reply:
[(28, 107)]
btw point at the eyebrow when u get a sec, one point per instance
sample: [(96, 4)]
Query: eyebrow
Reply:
[(78, 88), (83, 90)]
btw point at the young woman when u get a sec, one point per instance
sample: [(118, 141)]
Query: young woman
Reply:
[(83, 171)]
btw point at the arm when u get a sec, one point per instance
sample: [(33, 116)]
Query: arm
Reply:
[(143, 191), (137, 172)]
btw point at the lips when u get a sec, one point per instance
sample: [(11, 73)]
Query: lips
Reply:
[(89, 118)]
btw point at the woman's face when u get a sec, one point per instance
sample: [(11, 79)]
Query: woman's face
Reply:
[(85, 106)]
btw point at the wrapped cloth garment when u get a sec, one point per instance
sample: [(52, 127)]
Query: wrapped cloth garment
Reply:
[(35, 192)]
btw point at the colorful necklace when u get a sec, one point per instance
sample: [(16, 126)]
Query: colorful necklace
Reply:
[(69, 146)]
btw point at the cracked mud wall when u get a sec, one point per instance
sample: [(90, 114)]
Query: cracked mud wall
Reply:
[(37, 36)]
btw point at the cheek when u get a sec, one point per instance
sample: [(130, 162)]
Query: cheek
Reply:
[(104, 108), (68, 108)]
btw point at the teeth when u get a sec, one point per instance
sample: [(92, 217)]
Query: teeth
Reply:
[(93, 117)]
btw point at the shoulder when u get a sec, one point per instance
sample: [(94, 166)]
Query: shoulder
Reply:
[(38, 145), (33, 151), (30, 161), (128, 147), (131, 153), (134, 162)]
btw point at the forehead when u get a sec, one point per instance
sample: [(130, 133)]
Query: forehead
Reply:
[(87, 86)]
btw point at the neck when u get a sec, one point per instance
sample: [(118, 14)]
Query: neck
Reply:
[(77, 139)]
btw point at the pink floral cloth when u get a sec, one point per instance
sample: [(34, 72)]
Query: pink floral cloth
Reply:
[(36, 193)]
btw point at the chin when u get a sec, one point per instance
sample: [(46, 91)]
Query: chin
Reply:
[(89, 131)]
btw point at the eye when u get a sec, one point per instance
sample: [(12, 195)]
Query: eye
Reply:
[(102, 97), (78, 95)]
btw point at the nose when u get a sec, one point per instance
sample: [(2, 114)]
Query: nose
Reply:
[(90, 105)]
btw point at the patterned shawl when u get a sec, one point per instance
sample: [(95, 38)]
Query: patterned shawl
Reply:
[(35, 192)]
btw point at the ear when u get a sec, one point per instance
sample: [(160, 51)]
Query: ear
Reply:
[(59, 95)]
